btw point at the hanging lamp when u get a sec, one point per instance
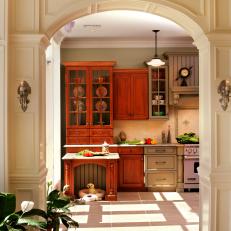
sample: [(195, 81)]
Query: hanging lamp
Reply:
[(156, 61)]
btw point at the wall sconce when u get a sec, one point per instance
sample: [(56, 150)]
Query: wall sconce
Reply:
[(24, 90), (224, 89)]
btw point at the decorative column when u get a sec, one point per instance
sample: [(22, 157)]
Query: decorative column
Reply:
[(53, 107), (3, 95), (27, 168), (215, 133)]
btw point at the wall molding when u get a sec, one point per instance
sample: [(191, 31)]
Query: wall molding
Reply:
[(90, 43)]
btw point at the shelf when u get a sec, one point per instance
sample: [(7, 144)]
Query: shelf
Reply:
[(158, 86), (101, 112), (104, 83), (77, 112), (160, 80), (104, 97), (75, 83), (160, 92)]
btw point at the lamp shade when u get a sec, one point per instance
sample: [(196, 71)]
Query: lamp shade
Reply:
[(156, 61)]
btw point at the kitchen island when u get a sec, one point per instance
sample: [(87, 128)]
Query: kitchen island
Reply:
[(108, 161), (152, 167)]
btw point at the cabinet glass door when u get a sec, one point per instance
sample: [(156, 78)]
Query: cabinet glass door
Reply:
[(101, 98), (158, 86), (77, 98)]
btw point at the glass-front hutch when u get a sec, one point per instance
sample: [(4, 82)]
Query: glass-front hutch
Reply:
[(88, 102)]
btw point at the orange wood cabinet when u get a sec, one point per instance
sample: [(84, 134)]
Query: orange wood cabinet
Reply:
[(89, 106), (130, 94), (111, 166), (131, 169)]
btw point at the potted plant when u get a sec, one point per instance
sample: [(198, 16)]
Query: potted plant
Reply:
[(23, 219), (58, 204)]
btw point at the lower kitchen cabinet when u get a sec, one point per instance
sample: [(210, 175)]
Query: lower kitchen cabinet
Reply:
[(163, 168), (131, 169)]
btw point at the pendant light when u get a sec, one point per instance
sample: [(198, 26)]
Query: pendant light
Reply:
[(156, 61)]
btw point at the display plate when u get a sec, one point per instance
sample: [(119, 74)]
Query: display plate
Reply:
[(101, 106), (101, 91)]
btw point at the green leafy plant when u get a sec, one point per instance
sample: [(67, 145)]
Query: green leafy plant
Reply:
[(58, 204), (23, 219), (58, 212)]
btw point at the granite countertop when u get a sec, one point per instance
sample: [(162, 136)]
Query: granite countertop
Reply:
[(122, 145), (72, 156)]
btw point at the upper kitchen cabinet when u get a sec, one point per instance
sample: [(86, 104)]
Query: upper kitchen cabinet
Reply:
[(130, 94), (88, 94), (158, 92), (183, 75)]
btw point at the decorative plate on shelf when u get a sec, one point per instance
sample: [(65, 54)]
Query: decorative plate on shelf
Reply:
[(78, 105), (78, 91), (101, 91), (101, 105)]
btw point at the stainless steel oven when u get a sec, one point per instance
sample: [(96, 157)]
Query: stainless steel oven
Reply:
[(191, 164)]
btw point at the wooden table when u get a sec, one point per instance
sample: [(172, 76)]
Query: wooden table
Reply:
[(109, 161)]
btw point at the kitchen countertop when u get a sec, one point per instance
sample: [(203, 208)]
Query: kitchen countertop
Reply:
[(73, 156), (122, 145)]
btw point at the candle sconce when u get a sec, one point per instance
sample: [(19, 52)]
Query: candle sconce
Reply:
[(24, 90), (224, 89)]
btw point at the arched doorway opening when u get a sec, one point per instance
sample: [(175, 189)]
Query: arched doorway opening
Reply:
[(202, 43)]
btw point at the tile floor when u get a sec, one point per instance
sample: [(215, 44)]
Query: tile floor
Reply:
[(143, 211)]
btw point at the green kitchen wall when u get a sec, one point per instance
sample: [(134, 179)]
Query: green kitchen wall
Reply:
[(124, 57)]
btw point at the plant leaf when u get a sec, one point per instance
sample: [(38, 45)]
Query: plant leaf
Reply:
[(53, 195), (8, 204), (60, 203), (69, 220), (33, 223), (36, 212)]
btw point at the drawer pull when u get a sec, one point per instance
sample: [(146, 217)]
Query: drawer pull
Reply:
[(160, 150), (161, 179), (161, 162), (192, 178)]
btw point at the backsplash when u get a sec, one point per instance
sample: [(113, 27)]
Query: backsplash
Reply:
[(188, 120), (180, 121), (140, 129)]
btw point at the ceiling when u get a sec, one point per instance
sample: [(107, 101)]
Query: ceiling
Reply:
[(124, 28)]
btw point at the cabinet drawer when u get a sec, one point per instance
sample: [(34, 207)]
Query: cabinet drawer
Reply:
[(77, 140), (77, 132), (160, 162), (160, 178), (101, 132), (160, 150), (100, 140), (130, 150)]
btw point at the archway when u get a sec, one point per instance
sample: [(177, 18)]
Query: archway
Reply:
[(202, 44)]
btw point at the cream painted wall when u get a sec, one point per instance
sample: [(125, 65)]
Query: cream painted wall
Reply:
[(140, 129), (180, 121), (209, 24)]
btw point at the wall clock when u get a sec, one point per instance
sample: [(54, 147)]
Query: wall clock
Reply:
[(183, 74)]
